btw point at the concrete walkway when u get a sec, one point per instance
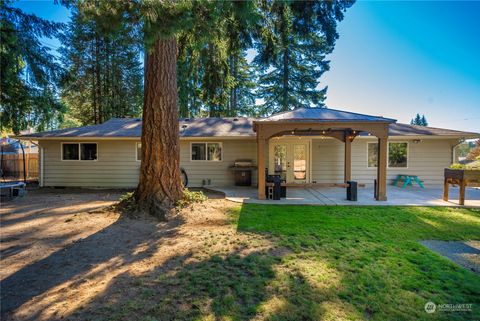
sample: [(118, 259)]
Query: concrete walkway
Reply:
[(430, 196)]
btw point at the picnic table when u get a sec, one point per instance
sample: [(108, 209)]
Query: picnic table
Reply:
[(407, 180)]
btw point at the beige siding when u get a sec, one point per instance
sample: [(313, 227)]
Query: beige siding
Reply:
[(217, 172), (427, 159), (116, 165), (327, 160)]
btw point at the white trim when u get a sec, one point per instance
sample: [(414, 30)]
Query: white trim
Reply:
[(373, 167), (136, 151), (206, 152), (79, 152), (290, 141), (41, 165), (388, 155)]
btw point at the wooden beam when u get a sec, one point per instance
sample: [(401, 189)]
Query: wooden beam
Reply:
[(347, 171), (445, 189), (382, 169), (261, 144)]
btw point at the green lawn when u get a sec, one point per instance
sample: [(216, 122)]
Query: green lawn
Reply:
[(322, 263), (366, 262)]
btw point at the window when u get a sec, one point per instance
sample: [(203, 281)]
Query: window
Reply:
[(397, 154), (79, 151), (138, 153), (206, 152), (372, 154), (70, 152)]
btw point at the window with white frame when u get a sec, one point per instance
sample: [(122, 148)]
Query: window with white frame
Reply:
[(79, 151), (397, 154), (206, 152), (138, 153), (372, 150)]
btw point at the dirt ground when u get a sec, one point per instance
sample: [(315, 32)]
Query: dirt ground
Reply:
[(64, 256)]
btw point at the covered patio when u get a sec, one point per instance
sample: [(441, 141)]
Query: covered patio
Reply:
[(431, 196), (320, 122)]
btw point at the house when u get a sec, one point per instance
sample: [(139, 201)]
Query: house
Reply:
[(306, 145)]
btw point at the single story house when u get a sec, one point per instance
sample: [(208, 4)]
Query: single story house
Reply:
[(305, 146)]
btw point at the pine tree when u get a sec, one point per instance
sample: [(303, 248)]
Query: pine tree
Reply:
[(29, 72), (424, 121), (293, 41), (419, 120), (163, 23), (104, 78)]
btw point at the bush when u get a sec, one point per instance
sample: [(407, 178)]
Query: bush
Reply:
[(190, 197), (126, 202)]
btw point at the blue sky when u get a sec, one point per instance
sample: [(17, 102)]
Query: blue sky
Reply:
[(394, 59)]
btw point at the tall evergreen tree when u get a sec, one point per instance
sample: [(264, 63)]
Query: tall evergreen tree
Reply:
[(293, 40), (104, 77), (29, 71), (419, 120), (163, 22), (424, 121)]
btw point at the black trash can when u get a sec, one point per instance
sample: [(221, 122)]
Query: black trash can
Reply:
[(352, 191), (277, 185)]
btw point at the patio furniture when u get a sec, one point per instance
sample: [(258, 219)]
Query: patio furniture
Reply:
[(462, 178), (275, 187), (13, 188), (352, 191), (408, 180)]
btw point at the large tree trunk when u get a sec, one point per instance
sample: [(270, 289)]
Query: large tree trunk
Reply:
[(160, 185)]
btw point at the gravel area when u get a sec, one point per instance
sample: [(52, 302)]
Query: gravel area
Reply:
[(464, 253)]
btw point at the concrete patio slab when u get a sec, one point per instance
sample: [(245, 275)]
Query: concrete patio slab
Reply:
[(409, 196)]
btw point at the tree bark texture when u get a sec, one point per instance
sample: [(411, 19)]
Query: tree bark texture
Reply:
[(159, 187)]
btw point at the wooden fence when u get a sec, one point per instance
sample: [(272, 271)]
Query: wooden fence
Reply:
[(12, 166)]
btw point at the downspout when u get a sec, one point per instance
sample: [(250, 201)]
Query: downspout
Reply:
[(460, 141), (41, 166)]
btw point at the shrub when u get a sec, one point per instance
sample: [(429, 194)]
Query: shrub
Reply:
[(191, 197), (126, 202)]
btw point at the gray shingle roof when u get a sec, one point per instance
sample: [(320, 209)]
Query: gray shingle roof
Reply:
[(399, 129), (132, 127), (323, 115), (217, 127)]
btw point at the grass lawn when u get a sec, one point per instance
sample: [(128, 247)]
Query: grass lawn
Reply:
[(323, 263), (365, 262)]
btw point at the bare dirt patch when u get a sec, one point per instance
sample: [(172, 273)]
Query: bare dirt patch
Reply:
[(63, 257)]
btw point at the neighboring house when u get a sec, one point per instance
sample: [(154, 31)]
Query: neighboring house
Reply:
[(307, 145)]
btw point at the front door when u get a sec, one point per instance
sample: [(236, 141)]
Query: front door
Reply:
[(290, 159)]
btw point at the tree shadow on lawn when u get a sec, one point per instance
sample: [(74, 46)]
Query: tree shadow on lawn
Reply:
[(385, 273), (221, 287), (118, 243)]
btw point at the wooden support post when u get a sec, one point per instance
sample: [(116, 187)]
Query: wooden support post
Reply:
[(382, 169), (261, 166), (347, 171), (461, 197), (445, 190)]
